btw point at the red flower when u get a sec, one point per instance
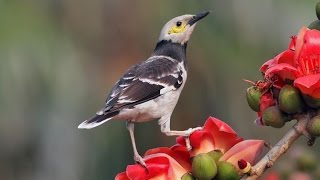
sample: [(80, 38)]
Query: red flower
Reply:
[(173, 163), (159, 165), (215, 135), (300, 63)]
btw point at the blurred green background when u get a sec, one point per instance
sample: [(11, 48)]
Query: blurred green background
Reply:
[(60, 58)]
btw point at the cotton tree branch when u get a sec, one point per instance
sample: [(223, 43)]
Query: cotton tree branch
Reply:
[(280, 148)]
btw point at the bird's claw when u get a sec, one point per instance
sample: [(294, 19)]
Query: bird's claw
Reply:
[(139, 159), (187, 137)]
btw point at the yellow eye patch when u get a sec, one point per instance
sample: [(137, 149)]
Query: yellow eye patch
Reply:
[(177, 29)]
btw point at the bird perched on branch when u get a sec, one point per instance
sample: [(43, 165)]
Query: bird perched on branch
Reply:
[(151, 89)]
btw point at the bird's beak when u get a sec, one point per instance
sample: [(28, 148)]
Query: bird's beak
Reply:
[(197, 17)]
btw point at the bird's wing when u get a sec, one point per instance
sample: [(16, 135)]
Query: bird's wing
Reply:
[(145, 81)]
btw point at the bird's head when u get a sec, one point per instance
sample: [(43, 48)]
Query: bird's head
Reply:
[(179, 29)]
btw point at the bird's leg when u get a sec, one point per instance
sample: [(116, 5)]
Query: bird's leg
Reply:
[(136, 156), (165, 128)]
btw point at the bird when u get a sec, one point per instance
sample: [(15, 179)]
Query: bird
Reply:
[(150, 89)]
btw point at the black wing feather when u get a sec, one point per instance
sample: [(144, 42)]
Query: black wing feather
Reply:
[(144, 82)]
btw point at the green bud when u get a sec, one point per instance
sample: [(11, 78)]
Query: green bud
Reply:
[(318, 10), (227, 170), (273, 117), (253, 98), (187, 176), (315, 25), (313, 126), (290, 99), (311, 101), (307, 162), (215, 155), (203, 167)]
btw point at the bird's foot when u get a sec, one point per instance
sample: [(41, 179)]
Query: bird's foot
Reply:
[(187, 136), (139, 159)]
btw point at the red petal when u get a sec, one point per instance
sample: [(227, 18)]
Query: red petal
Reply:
[(160, 166), (181, 141), (309, 85), (197, 137), (224, 136), (284, 71), (300, 41), (267, 65), (184, 153), (137, 172), (181, 155), (248, 150), (201, 142), (266, 101), (284, 57), (122, 176), (309, 56), (175, 171)]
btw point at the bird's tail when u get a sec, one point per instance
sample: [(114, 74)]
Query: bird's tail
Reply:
[(97, 120)]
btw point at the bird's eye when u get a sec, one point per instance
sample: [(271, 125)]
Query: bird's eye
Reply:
[(179, 23)]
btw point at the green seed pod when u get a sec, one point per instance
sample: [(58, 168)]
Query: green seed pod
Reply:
[(227, 170), (290, 99), (318, 10), (253, 97), (187, 176), (313, 126), (311, 101), (315, 25), (307, 162), (215, 155), (273, 117), (203, 167)]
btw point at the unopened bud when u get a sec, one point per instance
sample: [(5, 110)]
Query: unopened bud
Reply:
[(290, 99), (187, 176), (311, 101), (315, 25), (313, 126), (318, 10), (215, 155), (253, 97), (227, 170), (204, 167), (273, 117), (307, 162)]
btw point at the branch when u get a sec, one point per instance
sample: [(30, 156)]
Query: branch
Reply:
[(280, 148)]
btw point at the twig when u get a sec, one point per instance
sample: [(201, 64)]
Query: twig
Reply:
[(280, 148)]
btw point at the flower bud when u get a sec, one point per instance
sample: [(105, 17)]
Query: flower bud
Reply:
[(290, 99), (187, 176), (215, 155), (273, 117), (203, 167), (313, 126), (318, 10), (227, 170), (315, 25), (307, 162), (311, 101), (253, 97)]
